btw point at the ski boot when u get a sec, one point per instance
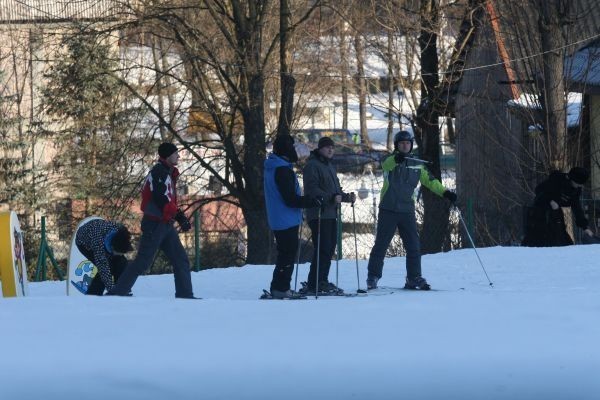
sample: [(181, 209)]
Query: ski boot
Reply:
[(288, 294), (325, 289), (372, 282), (329, 289), (416, 283)]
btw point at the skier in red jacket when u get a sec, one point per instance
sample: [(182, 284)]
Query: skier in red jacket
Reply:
[(159, 204)]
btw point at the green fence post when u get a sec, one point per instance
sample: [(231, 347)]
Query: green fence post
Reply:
[(55, 263), (41, 261), (45, 251), (196, 240), (339, 233)]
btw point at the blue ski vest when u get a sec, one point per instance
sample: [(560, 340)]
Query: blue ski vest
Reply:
[(279, 215)]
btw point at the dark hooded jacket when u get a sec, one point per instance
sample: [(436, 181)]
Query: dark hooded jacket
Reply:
[(320, 179)]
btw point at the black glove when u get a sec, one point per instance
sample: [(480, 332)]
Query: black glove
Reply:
[(183, 221), (399, 157), (348, 197), (450, 196), (318, 201)]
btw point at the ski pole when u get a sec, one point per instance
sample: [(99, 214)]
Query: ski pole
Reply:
[(318, 253), (473, 244), (337, 253), (358, 290), (298, 257), (417, 160)]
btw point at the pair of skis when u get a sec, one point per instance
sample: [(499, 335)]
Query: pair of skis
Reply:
[(380, 291), (268, 296)]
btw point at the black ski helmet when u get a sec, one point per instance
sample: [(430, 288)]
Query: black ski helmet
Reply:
[(404, 136)]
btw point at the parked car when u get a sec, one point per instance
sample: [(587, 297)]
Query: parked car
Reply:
[(357, 158)]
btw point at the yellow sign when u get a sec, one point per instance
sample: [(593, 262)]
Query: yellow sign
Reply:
[(13, 270)]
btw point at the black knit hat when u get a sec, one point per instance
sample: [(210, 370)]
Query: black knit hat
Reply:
[(166, 149), (325, 141), (121, 241), (283, 146), (579, 175)]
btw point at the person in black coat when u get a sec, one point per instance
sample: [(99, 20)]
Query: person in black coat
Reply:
[(320, 179), (104, 243), (545, 223)]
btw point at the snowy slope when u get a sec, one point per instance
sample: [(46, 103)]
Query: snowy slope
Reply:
[(534, 336)]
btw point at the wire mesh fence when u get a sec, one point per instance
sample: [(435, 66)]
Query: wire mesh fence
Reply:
[(218, 237)]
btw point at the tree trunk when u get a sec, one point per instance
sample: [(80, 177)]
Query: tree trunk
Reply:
[(435, 219), (288, 82), (344, 73), (254, 155), (158, 71), (391, 112), (553, 85), (362, 90), (259, 235)]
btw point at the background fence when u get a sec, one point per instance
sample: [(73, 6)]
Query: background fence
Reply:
[(47, 255), (223, 244)]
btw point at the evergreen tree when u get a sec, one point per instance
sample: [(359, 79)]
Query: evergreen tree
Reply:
[(96, 139), (14, 170)]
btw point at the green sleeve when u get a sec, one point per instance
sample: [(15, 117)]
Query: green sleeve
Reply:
[(431, 183), (389, 164)]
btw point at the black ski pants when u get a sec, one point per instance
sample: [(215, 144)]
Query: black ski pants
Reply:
[(545, 227), (116, 264), (158, 236), (287, 247), (387, 224), (328, 236)]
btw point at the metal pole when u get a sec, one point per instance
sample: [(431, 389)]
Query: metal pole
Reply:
[(339, 244), (44, 245), (318, 254), (473, 244), (358, 290), (298, 257), (417, 160), (196, 240), (41, 255)]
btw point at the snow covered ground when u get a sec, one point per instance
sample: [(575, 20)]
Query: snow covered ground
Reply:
[(535, 335)]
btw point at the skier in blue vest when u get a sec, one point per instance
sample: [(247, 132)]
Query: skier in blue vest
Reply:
[(284, 212)]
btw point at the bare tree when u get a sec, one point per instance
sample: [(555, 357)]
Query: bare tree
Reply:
[(226, 49)]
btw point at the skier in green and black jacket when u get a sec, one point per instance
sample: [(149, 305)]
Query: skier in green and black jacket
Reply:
[(397, 211)]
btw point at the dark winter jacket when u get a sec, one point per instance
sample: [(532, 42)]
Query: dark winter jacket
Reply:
[(320, 179), (282, 194), (95, 238), (159, 193), (558, 187), (400, 181)]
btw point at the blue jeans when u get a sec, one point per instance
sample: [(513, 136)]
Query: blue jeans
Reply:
[(158, 236)]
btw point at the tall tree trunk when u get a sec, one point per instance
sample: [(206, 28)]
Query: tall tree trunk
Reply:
[(435, 219), (252, 86), (254, 155), (288, 82), (391, 112), (553, 89), (344, 73), (156, 56), (362, 89)]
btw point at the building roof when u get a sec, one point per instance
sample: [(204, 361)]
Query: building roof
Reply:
[(51, 11), (582, 69), (517, 39)]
